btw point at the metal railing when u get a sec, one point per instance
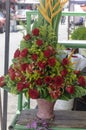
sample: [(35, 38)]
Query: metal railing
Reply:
[(67, 43)]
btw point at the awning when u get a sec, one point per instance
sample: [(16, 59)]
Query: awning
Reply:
[(83, 7), (78, 1), (13, 1), (28, 1)]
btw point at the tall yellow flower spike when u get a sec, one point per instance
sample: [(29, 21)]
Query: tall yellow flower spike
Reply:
[(71, 54), (50, 9)]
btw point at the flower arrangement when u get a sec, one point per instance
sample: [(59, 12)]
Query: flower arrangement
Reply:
[(40, 71), (40, 68)]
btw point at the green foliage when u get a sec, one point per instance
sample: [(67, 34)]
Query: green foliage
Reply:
[(79, 92), (48, 35), (24, 44), (38, 22), (79, 33), (10, 86)]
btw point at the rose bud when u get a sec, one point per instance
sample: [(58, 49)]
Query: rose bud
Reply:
[(35, 32), (24, 52), (20, 86), (27, 37), (12, 75), (65, 61), (33, 93), (70, 89), (16, 53), (82, 81), (77, 72), (2, 81), (39, 42)]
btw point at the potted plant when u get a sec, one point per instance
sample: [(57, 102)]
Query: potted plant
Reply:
[(79, 33), (39, 67)]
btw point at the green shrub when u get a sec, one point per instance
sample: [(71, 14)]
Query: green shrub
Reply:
[(79, 33)]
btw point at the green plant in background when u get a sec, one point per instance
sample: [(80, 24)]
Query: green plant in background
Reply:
[(79, 33)]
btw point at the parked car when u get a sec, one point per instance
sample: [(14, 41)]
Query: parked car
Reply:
[(2, 22), (80, 22), (21, 15)]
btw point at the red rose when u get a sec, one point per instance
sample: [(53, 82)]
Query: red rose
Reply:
[(41, 64), (17, 53), (82, 81), (20, 86), (48, 79), (77, 72), (26, 85), (34, 56), (27, 37), (39, 81), (24, 67), (70, 89), (12, 75), (64, 72), (65, 61), (24, 52), (33, 93), (55, 94), (11, 72), (58, 80), (35, 32), (22, 78), (39, 42), (2, 81), (51, 61), (47, 53)]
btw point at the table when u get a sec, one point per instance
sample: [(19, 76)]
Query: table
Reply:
[(64, 120)]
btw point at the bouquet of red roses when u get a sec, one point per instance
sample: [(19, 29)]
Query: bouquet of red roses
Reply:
[(41, 69)]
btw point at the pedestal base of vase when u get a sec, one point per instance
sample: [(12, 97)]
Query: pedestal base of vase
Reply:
[(45, 109)]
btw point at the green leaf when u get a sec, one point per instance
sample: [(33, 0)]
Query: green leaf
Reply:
[(79, 91), (25, 44)]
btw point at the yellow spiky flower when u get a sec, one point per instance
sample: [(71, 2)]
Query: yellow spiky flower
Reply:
[(50, 8)]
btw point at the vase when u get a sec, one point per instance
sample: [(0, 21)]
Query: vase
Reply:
[(45, 109)]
